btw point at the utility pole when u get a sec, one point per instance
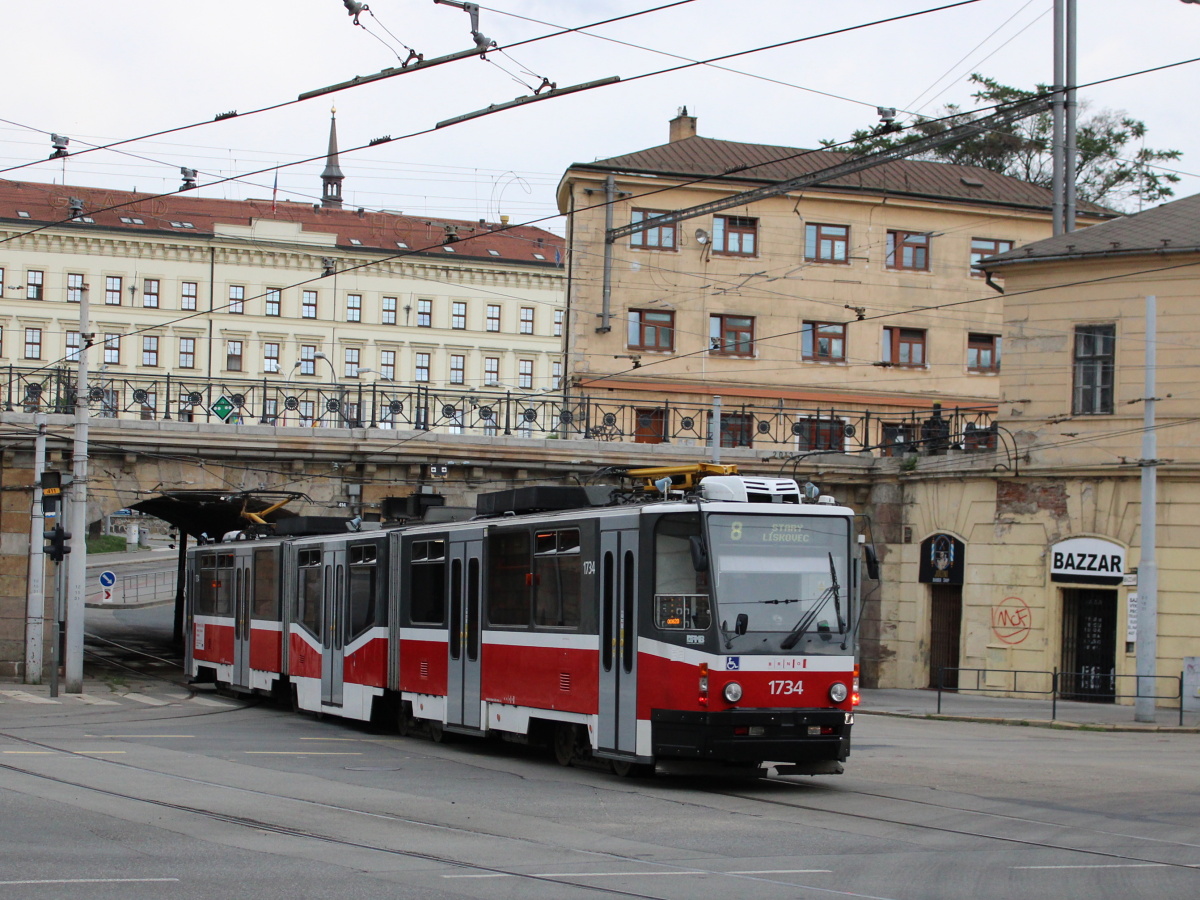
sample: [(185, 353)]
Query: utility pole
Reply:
[(1147, 587), (77, 570), (35, 599), (1058, 144)]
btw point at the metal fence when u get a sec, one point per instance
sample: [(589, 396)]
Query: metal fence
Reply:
[(1080, 686), (565, 414)]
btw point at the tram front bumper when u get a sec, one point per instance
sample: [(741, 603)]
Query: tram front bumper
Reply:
[(752, 735)]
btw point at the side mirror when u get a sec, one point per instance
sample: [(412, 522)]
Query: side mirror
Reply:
[(699, 553), (872, 562), (741, 623)]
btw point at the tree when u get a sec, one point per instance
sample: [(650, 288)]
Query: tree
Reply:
[(1114, 167)]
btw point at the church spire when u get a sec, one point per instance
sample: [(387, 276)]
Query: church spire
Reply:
[(331, 178)]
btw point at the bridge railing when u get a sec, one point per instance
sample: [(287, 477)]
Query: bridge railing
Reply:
[(563, 414)]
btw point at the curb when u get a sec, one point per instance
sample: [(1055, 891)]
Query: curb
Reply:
[(145, 605), (1058, 724)]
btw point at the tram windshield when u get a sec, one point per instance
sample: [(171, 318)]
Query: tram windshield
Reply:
[(779, 583)]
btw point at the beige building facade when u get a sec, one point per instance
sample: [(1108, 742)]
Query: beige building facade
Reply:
[(850, 296), (1048, 542)]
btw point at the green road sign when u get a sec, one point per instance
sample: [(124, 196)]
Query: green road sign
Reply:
[(223, 408)]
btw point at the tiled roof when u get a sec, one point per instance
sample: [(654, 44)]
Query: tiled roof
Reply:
[(754, 164), (1170, 228), (31, 204)]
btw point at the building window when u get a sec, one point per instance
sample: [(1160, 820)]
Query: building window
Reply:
[(307, 412), (387, 364), (270, 411), (1095, 362), (112, 349), (827, 243), (354, 307), (731, 335), (149, 350), (651, 330), (308, 305), (820, 434), (900, 438), (271, 358), (525, 373), (650, 425), (1, 278), (389, 311), (33, 343), (424, 313), (421, 372), (526, 320), (74, 287), (737, 429), (559, 315), (984, 247), (457, 369), (983, 353), (556, 375), (352, 361), (112, 290), (233, 356), (458, 315), (187, 353), (187, 297), (493, 317), (735, 235), (237, 298), (661, 237), (823, 341), (308, 359), (491, 371), (34, 285), (274, 302), (150, 293), (908, 250), (904, 346)]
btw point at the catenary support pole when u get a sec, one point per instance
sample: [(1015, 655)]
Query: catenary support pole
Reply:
[(1071, 110), (610, 195), (76, 562), (1057, 117), (1147, 587), (35, 599)]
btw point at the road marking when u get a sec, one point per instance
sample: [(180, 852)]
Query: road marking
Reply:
[(149, 701), (1101, 866), (204, 701), (97, 751), (27, 698), (142, 735), (352, 740), (32, 752), (94, 701), (295, 753), (91, 881), (638, 874)]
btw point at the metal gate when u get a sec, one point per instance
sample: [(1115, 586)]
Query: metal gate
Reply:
[(945, 634), (1089, 657), (618, 639)]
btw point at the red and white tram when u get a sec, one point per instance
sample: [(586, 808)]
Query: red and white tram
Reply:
[(714, 624)]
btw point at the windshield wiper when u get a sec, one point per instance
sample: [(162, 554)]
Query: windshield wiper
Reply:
[(801, 628)]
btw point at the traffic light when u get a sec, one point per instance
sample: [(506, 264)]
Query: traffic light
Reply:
[(57, 548)]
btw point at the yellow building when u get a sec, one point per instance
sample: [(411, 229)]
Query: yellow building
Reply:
[(1047, 545), (817, 306)]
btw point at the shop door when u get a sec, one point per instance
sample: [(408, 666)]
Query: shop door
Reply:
[(1089, 653), (945, 635)]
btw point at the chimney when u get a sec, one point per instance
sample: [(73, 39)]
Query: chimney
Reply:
[(683, 126)]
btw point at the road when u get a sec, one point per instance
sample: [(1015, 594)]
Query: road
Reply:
[(150, 790)]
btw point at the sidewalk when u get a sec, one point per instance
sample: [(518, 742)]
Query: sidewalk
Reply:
[(969, 706)]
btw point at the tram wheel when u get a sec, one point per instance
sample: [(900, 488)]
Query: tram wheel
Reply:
[(625, 769), (437, 733), (404, 721), (564, 743)]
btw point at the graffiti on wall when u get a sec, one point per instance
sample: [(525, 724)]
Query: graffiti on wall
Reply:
[(1012, 620)]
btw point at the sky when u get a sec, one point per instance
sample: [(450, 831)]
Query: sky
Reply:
[(99, 72)]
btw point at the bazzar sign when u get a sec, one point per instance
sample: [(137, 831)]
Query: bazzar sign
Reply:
[(1087, 561)]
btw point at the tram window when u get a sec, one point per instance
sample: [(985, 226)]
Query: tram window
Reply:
[(674, 570), (628, 624), (224, 585), (557, 579), (472, 609), (456, 609), (686, 612), (308, 611), (606, 613), (206, 587), (509, 579), (266, 584), (427, 585), (362, 598)]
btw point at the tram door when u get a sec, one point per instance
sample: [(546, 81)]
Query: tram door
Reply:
[(618, 640), (243, 578), (333, 616), (463, 673)]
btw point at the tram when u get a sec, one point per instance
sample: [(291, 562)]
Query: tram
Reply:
[(698, 616)]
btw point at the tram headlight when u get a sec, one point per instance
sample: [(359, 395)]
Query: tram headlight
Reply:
[(838, 692), (733, 692)]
